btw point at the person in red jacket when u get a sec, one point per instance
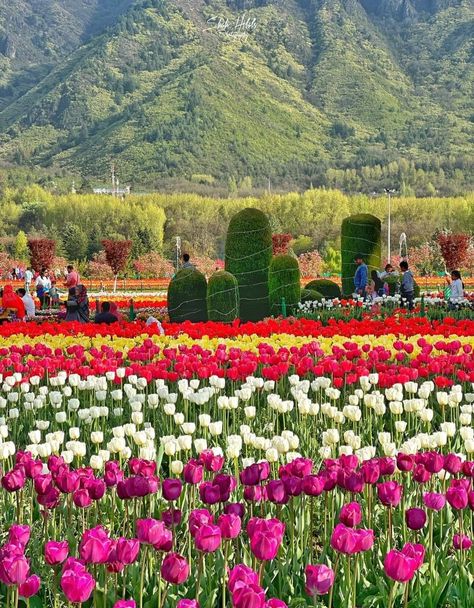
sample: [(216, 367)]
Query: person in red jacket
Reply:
[(11, 300)]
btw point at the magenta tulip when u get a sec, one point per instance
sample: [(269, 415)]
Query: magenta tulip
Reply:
[(127, 550), (95, 546), (152, 532), (19, 535), (434, 501), (171, 489), (250, 596), (399, 567), (457, 497), (462, 542), (389, 493), (241, 576), (230, 525), (55, 553), (14, 569), (415, 518), (125, 604), (175, 569), (351, 514), (187, 604), (319, 579), (77, 586), (30, 587)]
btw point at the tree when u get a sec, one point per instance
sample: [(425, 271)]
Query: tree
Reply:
[(20, 247), (42, 253), (152, 265), (454, 249), (116, 254), (75, 242)]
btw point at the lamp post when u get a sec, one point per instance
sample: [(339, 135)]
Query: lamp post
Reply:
[(389, 193), (178, 251)]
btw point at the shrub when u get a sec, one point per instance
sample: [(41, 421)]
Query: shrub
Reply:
[(284, 282), (311, 264), (41, 253), (187, 293), (360, 234), (328, 289), (309, 295), (223, 297), (248, 255), (281, 243), (152, 265)]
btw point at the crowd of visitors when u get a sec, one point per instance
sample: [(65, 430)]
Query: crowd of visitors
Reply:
[(378, 286)]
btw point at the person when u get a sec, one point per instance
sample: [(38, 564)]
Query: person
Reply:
[(154, 321), (377, 283), (457, 288), (77, 305), (407, 287), (361, 275), (389, 270), (72, 277), (11, 300), (54, 294), (43, 286), (186, 261), (28, 279), (28, 301), (105, 316), (115, 311)]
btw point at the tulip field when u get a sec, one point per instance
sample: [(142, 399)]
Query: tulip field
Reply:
[(283, 463)]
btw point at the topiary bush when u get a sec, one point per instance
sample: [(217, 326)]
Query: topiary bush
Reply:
[(328, 289), (309, 295), (284, 282), (359, 234), (248, 253), (223, 301), (187, 294)]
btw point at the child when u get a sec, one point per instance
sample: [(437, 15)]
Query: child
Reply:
[(54, 295), (407, 288)]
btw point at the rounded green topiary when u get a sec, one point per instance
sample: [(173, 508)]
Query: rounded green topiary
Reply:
[(284, 282), (309, 295), (248, 253), (360, 234), (328, 289), (187, 294), (223, 297)]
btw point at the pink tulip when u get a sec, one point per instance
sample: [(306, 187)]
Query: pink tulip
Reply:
[(208, 538), (319, 579), (187, 604), (55, 552), (312, 485), (125, 604), (266, 536), (77, 585), (241, 576), (171, 489), (14, 569), (344, 540), (82, 498), (175, 569), (462, 542), (230, 525), (14, 480), (399, 567), (415, 518), (457, 497), (30, 587), (127, 550), (193, 472), (250, 596), (351, 514), (95, 546), (389, 493), (152, 532), (434, 501), (275, 603), (198, 518), (414, 551), (19, 535)]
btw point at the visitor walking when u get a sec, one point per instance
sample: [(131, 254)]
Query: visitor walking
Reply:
[(361, 276), (28, 301), (186, 261), (28, 279), (72, 277), (407, 287), (456, 287)]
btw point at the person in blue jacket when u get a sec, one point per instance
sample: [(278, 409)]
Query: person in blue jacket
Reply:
[(361, 276)]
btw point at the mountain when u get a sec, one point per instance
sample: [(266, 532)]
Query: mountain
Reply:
[(281, 89)]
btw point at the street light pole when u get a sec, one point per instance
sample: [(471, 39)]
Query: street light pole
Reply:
[(389, 236)]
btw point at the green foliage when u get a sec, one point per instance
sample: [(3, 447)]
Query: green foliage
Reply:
[(187, 294), (360, 234), (302, 244), (75, 242), (223, 301), (328, 289), (393, 283), (284, 282), (309, 295), (20, 246), (248, 254)]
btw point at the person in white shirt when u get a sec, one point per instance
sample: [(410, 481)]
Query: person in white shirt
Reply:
[(43, 285), (27, 301), (457, 287), (28, 279)]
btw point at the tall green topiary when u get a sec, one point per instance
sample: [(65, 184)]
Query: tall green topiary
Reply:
[(248, 254), (360, 234), (329, 289), (284, 282), (223, 301), (187, 293)]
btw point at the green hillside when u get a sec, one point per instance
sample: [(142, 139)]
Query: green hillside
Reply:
[(330, 92)]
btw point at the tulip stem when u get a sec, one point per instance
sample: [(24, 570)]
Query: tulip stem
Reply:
[(142, 576), (391, 596), (199, 574)]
